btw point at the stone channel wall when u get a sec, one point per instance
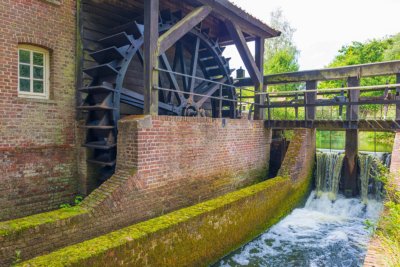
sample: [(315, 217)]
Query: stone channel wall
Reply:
[(37, 145), (164, 163), (201, 234)]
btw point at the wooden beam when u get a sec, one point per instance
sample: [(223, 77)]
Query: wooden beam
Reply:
[(330, 103), (335, 125), (259, 113), (351, 147), (310, 99), (181, 28), (353, 95), (244, 51), (150, 56), (247, 22), (364, 70)]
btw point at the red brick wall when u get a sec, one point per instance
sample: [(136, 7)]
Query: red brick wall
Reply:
[(181, 161), (37, 137), (164, 163), (395, 164)]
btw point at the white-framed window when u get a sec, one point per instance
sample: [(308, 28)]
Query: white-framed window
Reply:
[(33, 72)]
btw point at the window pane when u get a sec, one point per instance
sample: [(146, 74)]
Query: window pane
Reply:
[(24, 71), (38, 72), (24, 85), (24, 56), (38, 86), (38, 59)]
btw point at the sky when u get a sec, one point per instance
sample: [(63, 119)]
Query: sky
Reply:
[(324, 26)]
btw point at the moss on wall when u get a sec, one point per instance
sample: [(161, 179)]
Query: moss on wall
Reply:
[(203, 233), (30, 222), (198, 235)]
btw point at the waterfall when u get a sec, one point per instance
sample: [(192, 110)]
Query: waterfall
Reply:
[(329, 169), (371, 186), (387, 158)]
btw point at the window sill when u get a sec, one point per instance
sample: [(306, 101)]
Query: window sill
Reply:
[(35, 100)]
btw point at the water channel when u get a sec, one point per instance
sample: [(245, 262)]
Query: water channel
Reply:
[(329, 230)]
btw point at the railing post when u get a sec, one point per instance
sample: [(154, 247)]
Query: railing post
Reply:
[(259, 113), (310, 99), (353, 95), (351, 149), (269, 110), (397, 97)]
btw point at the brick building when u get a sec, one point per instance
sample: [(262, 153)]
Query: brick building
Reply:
[(37, 87), (57, 58)]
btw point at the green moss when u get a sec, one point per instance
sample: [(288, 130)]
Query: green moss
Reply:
[(155, 233), (197, 235), (30, 222)]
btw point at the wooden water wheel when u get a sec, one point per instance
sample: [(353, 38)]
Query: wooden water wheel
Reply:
[(115, 90)]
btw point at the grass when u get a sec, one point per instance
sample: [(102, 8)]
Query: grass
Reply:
[(388, 230)]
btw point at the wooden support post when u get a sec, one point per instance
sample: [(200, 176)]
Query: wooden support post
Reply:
[(310, 99), (397, 97), (350, 163), (259, 113), (150, 56), (351, 149), (238, 38)]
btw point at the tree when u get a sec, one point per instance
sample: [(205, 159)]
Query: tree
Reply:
[(376, 50), (361, 53), (393, 51), (281, 55)]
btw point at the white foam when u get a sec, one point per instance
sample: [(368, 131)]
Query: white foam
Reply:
[(323, 233)]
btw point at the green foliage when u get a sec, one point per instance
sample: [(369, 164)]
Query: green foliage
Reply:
[(17, 258), (393, 51), (283, 60), (376, 50), (369, 225), (361, 53), (77, 201), (388, 230), (281, 55)]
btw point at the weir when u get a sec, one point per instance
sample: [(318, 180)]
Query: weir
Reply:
[(307, 108), (328, 173), (329, 177)]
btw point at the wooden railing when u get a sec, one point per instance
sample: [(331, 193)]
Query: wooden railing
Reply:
[(306, 102)]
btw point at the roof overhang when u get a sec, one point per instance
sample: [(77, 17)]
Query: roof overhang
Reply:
[(250, 25)]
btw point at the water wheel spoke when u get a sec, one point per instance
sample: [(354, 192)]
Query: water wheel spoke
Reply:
[(171, 77), (210, 91), (193, 68), (179, 51)]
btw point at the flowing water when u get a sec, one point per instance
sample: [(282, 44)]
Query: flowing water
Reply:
[(323, 233), (330, 230), (328, 173)]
